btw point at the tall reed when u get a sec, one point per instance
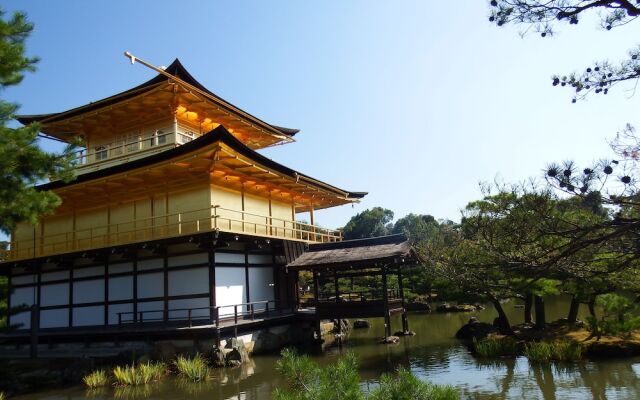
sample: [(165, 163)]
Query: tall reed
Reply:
[(95, 379), (495, 347), (194, 369), (563, 350)]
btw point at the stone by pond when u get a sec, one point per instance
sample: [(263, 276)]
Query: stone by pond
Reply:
[(432, 354)]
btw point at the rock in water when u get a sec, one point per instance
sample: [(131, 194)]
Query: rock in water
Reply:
[(217, 357), (361, 324), (390, 340), (475, 330)]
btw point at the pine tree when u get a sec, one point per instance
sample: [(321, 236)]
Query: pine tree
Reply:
[(22, 162)]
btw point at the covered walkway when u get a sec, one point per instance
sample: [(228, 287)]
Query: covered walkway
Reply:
[(335, 267)]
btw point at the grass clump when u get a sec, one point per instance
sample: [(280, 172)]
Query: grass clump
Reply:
[(93, 380), (2, 396), (405, 386), (127, 376), (553, 351), (495, 347), (136, 375), (152, 372), (194, 369)]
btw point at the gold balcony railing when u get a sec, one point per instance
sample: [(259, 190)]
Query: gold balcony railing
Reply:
[(166, 226)]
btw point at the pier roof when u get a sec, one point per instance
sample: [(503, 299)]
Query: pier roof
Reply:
[(385, 251)]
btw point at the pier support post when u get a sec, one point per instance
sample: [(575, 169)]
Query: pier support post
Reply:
[(35, 323), (405, 320), (385, 301)]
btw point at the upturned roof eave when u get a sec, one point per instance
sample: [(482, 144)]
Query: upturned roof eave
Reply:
[(176, 68), (219, 134)]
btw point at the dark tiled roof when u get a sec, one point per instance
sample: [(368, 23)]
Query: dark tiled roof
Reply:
[(394, 249), (176, 69)]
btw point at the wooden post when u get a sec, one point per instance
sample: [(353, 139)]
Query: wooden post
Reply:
[(385, 301), (316, 287), (35, 322), (335, 283), (405, 320)]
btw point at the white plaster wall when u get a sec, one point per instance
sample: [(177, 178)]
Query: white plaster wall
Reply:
[(21, 320), (189, 259), (121, 267), (54, 276), (230, 288), (233, 258), (155, 307), (23, 296), (151, 285), (260, 289), (121, 288), (114, 309), (58, 318), (90, 271), (153, 263), (88, 291), (186, 304), (88, 316), (260, 259), (54, 295), (189, 281), (23, 279)]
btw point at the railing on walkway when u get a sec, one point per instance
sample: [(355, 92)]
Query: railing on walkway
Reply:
[(358, 295), (169, 225), (216, 315)]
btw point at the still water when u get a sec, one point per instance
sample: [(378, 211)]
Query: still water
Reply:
[(432, 354)]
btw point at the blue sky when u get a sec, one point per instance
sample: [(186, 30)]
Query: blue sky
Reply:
[(415, 102)]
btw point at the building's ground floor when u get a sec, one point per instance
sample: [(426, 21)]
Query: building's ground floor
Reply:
[(201, 279)]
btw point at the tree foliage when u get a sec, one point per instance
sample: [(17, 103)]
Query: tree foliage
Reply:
[(22, 161), (369, 223), (543, 16)]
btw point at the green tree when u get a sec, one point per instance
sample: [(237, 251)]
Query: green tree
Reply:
[(22, 161), (416, 227), (542, 17), (369, 223)]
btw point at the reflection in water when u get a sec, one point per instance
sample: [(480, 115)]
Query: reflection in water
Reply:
[(135, 392), (433, 354)]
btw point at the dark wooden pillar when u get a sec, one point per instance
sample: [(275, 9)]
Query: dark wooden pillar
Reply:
[(316, 286), (335, 283), (385, 301), (405, 320), (35, 324)]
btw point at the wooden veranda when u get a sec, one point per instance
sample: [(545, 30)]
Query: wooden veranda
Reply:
[(375, 258)]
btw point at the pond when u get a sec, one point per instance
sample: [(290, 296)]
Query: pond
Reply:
[(432, 354)]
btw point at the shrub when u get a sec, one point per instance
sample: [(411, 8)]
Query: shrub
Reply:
[(557, 351), (305, 380), (127, 376), (406, 386), (538, 352), (95, 379), (496, 347), (141, 374), (152, 372), (194, 369), (618, 316)]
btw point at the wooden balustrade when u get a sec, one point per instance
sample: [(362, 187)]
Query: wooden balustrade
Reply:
[(166, 226)]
